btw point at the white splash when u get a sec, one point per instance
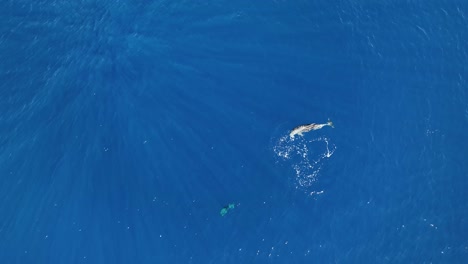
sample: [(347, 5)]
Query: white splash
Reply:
[(306, 156)]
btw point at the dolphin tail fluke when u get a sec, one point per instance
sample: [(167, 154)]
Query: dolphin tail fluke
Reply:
[(330, 123)]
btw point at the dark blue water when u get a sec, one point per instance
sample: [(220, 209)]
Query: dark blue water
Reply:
[(125, 127)]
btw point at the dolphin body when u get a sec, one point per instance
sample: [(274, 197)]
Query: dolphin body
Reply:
[(306, 128)]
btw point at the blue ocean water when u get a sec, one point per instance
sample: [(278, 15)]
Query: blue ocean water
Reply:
[(126, 126)]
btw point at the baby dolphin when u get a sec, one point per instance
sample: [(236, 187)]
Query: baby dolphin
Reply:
[(306, 128)]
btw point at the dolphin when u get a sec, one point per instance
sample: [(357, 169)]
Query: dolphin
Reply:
[(306, 128)]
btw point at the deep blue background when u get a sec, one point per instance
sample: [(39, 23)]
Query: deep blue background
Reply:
[(125, 126)]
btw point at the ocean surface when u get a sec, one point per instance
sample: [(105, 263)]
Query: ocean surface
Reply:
[(126, 126)]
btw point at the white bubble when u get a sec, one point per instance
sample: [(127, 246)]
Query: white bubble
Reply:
[(305, 156)]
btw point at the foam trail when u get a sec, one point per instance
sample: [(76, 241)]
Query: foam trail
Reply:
[(306, 157)]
